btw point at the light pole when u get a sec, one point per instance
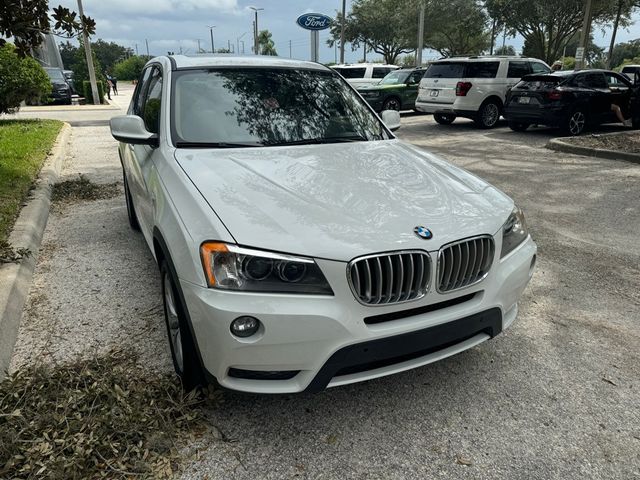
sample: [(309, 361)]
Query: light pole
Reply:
[(344, 8), (238, 42), (420, 35), (211, 27), (255, 29)]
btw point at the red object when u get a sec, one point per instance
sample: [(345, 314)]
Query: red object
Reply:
[(554, 95), (462, 88)]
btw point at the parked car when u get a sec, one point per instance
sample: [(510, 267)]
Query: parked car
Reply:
[(571, 101), (60, 89), (362, 74), (630, 71), (397, 91), (472, 87), (301, 245), (68, 75)]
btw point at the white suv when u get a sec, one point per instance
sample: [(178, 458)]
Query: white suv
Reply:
[(301, 245), (363, 74), (472, 87)]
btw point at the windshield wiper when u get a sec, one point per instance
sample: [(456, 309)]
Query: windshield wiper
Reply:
[(317, 141), (215, 145)]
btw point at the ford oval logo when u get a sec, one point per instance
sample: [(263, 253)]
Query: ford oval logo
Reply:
[(423, 232), (314, 21)]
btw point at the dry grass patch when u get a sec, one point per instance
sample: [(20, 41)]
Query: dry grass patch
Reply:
[(103, 417), (82, 188)]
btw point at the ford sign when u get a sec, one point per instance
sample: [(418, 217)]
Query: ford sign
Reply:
[(314, 21)]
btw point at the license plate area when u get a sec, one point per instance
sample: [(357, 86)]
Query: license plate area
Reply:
[(524, 100), (434, 93)]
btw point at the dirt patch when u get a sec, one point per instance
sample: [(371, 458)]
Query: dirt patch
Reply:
[(82, 188), (623, 142), (104, 417)]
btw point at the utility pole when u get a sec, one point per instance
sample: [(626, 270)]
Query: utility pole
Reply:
[(420, 35), (87, 52), (344, 9), (335, 52), (584, 36), (242, 42), (365, 52), (613, 34), (198, 40), (211, 27), (136, 49), (147, 43), (255, 30), (229, 45), (238, 43), (290, 56)]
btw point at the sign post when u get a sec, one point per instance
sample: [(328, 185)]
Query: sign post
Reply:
[(314, 22)]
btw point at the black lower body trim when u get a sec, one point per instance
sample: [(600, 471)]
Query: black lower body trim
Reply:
[(382, 352), (262, 374)]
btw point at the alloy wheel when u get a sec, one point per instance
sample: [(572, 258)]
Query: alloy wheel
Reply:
[(392, 104), (576, 123), (490, 114), (173, 322)]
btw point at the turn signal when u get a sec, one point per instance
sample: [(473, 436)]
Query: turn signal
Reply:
[(462, 88)]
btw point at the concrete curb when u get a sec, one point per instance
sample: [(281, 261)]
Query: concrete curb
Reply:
[(15, 278), (560, 145)]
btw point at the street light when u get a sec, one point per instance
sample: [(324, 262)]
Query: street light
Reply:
[(255, 29), (238, 42), (211, 27)]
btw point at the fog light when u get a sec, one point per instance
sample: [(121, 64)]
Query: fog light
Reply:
[(245, 326)]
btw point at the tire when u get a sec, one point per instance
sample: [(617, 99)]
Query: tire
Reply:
[(392, 103), (575, 123), (518, 126), (183, 351), (131, 210), (488, 114), (443, 118)]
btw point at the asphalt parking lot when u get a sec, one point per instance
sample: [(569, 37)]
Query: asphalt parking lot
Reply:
[(557, 396)]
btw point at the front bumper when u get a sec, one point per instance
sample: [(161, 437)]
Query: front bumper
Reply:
[(312, 342)]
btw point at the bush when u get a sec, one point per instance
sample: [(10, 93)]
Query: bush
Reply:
[(86, 91), (21, 79), (131, 68)]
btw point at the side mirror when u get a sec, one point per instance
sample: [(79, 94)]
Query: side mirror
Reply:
[(391, 118), (131, 129)]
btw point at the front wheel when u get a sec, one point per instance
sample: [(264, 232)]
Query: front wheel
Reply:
[(183, 350), (518, 126), (575, 123), (391, 104), (443, 118), (488, 115)]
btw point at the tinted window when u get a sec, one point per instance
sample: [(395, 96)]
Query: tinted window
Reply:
[(152, 101), (256, 106), (445, 70), (55, 74), (482, 69), (615, 81), (416, 77), (537, 67), (138, 95), (630, 69), (518, 69), (379, 72), (591, 80), (352, 72)]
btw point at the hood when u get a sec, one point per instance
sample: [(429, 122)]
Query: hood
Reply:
[(340, 201)]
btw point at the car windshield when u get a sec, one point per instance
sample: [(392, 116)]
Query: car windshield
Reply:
[(394, 78), (238, 107), (55, 74)]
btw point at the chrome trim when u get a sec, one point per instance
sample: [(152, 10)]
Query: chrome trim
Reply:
[(443, 267), (383, 269)]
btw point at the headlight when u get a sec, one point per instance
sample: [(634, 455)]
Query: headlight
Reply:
[(230, 267), (514, 232)]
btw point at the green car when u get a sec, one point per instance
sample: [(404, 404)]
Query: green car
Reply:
[(397, 91)]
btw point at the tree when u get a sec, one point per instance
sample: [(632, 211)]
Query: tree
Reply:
[(622, 6), (68, 53), (380, 25), (265, 43), (625, 51), (506, 50), (109, 53), (131, 68), (547, 25), (21, 79), (26, 20), (80, 69)]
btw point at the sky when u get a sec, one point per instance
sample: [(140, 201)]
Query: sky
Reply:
[(172, 25)]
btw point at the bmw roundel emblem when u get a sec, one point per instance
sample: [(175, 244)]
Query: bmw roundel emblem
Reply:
[(423, 232)]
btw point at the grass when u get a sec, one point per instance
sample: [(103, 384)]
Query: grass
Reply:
[(24, 145), (103, 417)]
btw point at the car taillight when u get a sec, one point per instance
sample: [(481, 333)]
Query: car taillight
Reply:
[(554, 95), (462, 88)]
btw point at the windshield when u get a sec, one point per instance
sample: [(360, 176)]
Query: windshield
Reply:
[(238, 107), (55, 74), (394, 78)]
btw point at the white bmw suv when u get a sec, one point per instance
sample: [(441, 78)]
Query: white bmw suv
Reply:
[(472, 87), (300, 244)]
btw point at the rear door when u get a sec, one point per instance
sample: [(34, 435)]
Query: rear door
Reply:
[(410, 92), (595, 95), (439, 82), (620, 92)]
